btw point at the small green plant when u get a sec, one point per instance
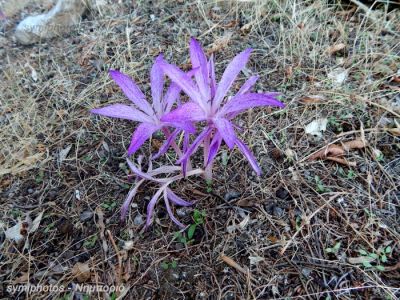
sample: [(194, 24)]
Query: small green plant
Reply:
[(110, 205), (169, 265), (320, 185), (334, 249), (198, 219), (349, 175), (375, 260), (90, 242), (334, 122)]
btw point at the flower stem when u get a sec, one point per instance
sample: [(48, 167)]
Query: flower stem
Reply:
[(208, 168)]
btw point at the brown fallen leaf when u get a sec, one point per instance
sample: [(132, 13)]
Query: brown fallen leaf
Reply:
[(312, 99), (342, 161), (335, 48), (333, 152), (81, 271), (355, 144)]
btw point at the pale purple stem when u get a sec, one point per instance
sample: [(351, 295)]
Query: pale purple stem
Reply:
[(208, 168)]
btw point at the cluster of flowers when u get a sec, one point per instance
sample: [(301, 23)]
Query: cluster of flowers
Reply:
[(208, 108)]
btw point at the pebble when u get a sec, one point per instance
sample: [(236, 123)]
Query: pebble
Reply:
[(85, 215), (30, 191), (230, 195), (278, 212), (138, 220)]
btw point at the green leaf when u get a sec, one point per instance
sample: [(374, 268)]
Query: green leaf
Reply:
[(164, 265), (384, 258), (191, 231), (373, 255), (380, 268), (174, 264), (337, 246), (388, 249), (329, 250), (367, 264), (362, 252)]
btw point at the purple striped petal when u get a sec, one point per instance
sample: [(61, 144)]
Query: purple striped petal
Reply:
[(243, 102), (128, 200), (190, 111), (214, 147), (171, 96), (196, 143), (164, 148), (183, 81), (225, 129), (248, 85), (198, 59), (169, 210), (141, 134), (213, 82), (176, 199), (152, 204), (157, 84), (229, 76), (122, 111), (249, 155), (131, 91)]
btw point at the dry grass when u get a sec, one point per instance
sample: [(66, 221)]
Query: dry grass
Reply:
[(289, 217)]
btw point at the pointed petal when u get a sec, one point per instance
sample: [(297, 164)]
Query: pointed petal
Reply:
[(164, 148), (214, 147), (230, 74), (243, 102), (131, 91), (248, 85), (157, 84), (176, 199), (183, 81), (171, 96), (213, 82), (141, 134), (196, 143), (186, 112), (225, 129), (250, 157), (198, 59), (128, 200), (169, 210), (152, 204), (122, 111)]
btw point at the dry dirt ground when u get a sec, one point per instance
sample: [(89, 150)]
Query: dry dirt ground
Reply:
[(314, 226)]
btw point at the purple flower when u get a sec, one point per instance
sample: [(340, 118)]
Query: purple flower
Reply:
[(209, 103), (149, 115)]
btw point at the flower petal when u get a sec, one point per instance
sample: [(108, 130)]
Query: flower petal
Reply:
[(190, 111), (214, 147), (250, 157), (176, 199), (152, 203), (213, 82), (157, 84), (141, 134), (230, 74), (131, 90), (196, 143), (198, 59), (128, 200), (183, 81), (171, 96), (248, 85), (122, 111), (240, 103), (164, 148), (225, 129), (169, 210)]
